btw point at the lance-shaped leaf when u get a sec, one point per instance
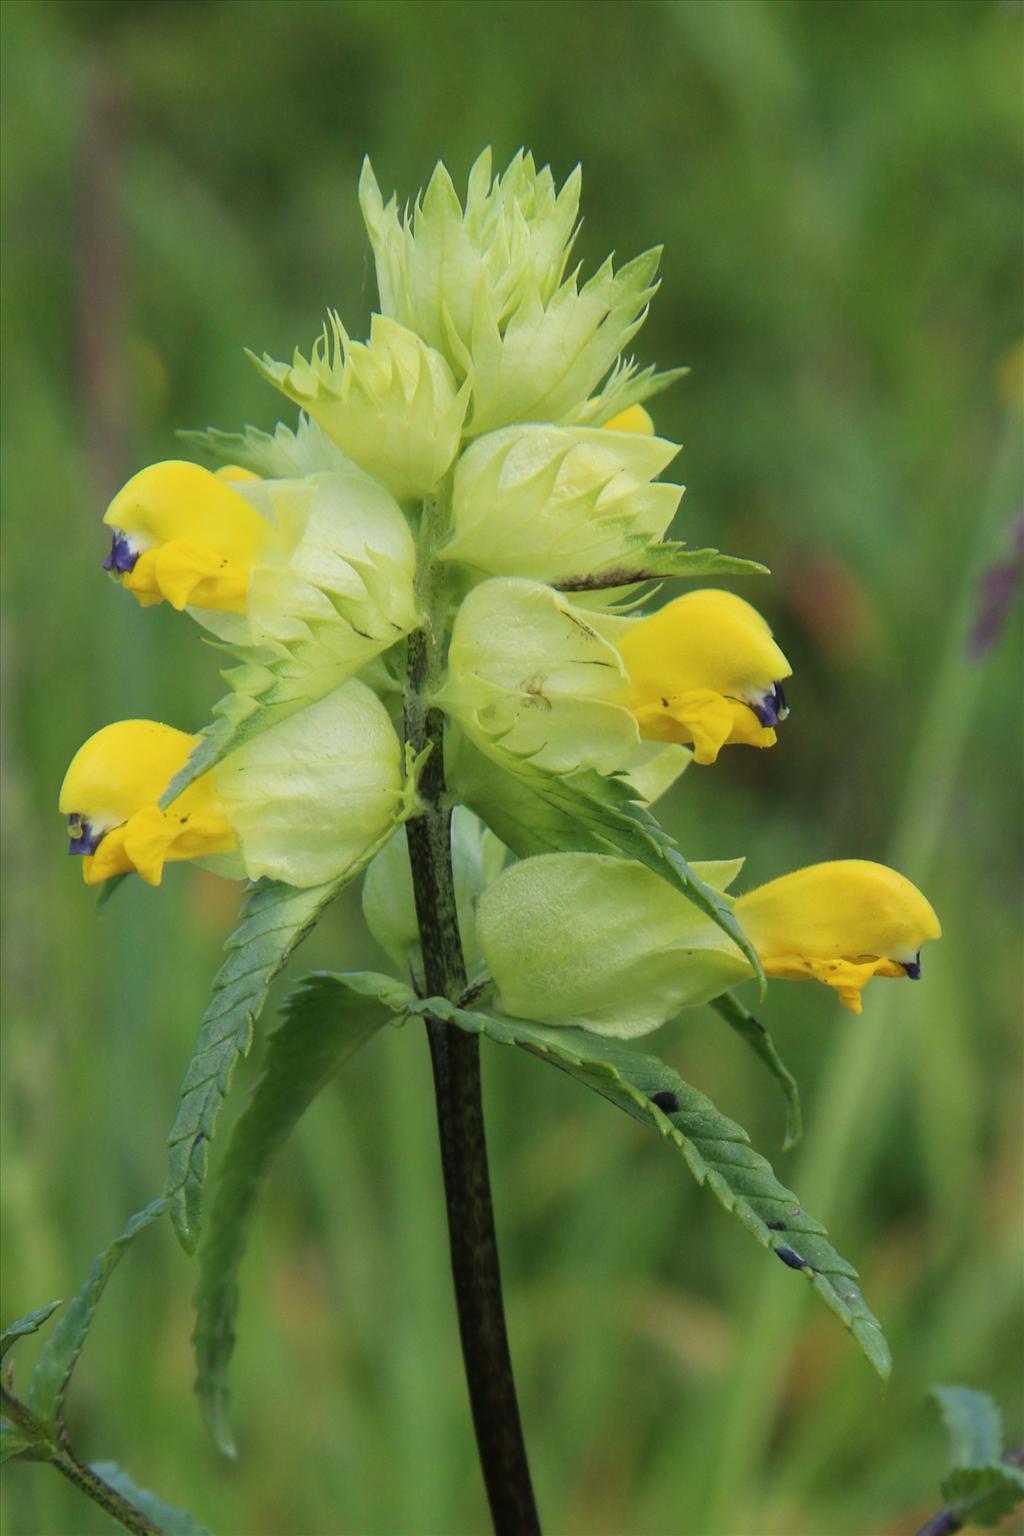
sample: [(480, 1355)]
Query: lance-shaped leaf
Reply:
[(170, 1520), (583, 812), (30, 1323), (275, 919), (763, 1046), (716, 1150), (980, 1488), (646, 561), (325, 1021), (61, 1351)]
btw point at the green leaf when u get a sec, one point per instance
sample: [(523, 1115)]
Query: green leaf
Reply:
[(13, 1442), (973, 1423), (658, 561), (325, 1020), (716, 1150), (582, 812), (171, 1521), (60, 1354), (984, 1495), (275, 919), (30, 1323), (763, 1046)]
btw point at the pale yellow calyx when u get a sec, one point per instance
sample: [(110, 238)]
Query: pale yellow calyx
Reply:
[(840, 923), (633, 419), (705, 671), (111, 795), (183, 534)]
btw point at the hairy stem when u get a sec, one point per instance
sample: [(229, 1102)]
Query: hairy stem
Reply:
[(60, 1455), (456, 1064), (101, 1493)]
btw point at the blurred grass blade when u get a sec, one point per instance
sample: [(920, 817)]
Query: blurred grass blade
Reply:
[(583, 812), (171, 1521), (763, 1046), (50, 1378), (275, 918), (716, 1150), (325, 1020), (30, 1323), (973, 1423)]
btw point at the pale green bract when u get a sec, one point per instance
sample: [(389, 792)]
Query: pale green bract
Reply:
[(555, 503), (309, 797), (611, 947), (485, 285), (530, 673), (389, 404), (513, 240)]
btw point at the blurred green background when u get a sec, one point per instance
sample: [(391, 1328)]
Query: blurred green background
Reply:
[(837, 187)]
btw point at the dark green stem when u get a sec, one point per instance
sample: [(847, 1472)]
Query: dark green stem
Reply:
[(455, 1057)]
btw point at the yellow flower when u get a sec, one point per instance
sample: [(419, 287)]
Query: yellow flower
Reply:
[(305, 801), (704, 670), (633, 419), (110, 795), (182, 533), (841, 923)]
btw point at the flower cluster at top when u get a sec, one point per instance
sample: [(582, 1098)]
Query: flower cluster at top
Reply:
[(482, 468)]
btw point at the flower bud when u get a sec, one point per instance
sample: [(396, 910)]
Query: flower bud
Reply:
[(486, 286), (303, 802), (554, 503), (512, 239), (390, 405)]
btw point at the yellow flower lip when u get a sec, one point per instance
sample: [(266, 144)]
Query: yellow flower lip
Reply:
[(184, 534), (841, 923), (705, 671), (111, 797)]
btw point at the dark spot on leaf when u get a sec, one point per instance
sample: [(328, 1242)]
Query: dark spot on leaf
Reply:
[(200, 1137), (792, 1259), (776, 1226), (666, 1100)]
